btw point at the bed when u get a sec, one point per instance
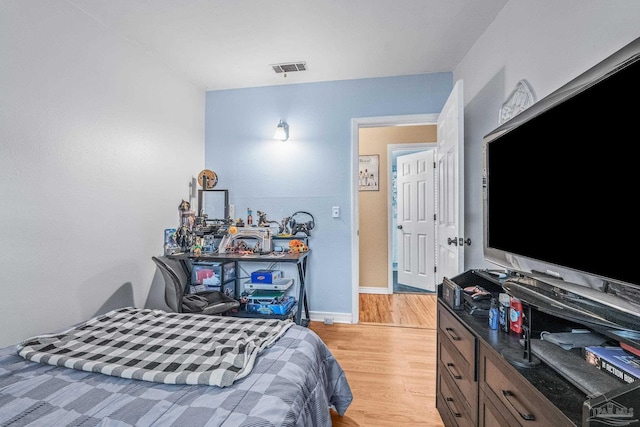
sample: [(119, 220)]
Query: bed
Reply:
[(138, 367)]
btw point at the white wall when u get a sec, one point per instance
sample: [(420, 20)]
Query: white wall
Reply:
[(546, 43), (98, 145)]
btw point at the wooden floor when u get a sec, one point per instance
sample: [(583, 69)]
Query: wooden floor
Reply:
[(389, 361), (416, 310)]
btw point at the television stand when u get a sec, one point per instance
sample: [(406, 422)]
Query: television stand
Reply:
[(487, 377)]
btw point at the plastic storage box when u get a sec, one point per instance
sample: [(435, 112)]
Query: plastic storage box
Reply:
[(281, 307), (209, 276)]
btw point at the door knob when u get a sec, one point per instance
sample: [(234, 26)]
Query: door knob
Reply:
[(453, 241), (465, 242), (399, 227)]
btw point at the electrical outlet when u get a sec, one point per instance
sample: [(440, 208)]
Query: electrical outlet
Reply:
[(328, 320), (335, 211), (232, 212)]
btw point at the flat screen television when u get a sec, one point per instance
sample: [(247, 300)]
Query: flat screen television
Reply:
[(560, 188)]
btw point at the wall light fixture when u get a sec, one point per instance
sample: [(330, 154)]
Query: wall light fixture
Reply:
[(282, 131)]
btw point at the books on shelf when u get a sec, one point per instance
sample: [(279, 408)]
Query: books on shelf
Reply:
[(616, 361)]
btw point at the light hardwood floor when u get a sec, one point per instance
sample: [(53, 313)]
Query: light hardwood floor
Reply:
[(389, 361), (414, 310)]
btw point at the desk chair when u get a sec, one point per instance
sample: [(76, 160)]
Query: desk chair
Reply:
[(176, 280)]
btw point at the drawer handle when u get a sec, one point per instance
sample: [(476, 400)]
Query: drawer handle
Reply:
[(456, 376), (507, 394), (451, 333), (455, 414)]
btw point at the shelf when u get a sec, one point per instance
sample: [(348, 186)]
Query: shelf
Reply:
[(291, 314)]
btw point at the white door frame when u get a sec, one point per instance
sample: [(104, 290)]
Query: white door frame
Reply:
[(363, 122), (419, 146)]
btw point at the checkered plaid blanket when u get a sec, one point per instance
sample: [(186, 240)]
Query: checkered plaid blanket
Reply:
[(156, 346)]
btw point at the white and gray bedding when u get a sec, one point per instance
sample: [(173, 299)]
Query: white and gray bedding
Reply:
[(293, 381), (157, 346)]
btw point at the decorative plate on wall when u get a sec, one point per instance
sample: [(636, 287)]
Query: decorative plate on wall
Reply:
[(211, 179), (519, 100)]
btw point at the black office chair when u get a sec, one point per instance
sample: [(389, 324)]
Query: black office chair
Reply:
[(176, 281)]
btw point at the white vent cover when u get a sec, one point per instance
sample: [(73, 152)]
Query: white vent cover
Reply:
[(289, 67)]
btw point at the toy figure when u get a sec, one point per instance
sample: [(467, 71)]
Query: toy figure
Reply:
[(183, 237), (284, 227), (263, 221), (184, 206)]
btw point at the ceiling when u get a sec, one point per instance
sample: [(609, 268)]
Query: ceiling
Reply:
[(225, 44)]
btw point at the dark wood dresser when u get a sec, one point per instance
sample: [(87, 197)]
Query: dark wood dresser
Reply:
[(485, 379)]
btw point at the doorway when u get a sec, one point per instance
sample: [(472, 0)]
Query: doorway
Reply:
[(450, 193), (381, 213)]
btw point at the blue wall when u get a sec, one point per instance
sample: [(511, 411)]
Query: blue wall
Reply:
[(310, 171)]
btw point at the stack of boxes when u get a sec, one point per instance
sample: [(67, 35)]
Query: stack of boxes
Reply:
[(266, 293)]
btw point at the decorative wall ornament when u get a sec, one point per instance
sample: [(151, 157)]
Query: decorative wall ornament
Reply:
[(520, 99)]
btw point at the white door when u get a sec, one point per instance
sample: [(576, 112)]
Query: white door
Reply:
[(415, 218), (450, 194)]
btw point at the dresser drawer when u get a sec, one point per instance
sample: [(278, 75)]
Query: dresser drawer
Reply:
[(508, 389), (463, 340), (491, 416), (460, 372), (451, 403)]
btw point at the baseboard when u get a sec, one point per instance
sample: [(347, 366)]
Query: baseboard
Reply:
[(329, 317), (370, 290)]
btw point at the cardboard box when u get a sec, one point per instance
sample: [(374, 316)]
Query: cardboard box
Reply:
[(615, 361), (170, 244), (266, 276)]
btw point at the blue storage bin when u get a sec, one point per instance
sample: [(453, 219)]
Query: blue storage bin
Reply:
[(281, 308)]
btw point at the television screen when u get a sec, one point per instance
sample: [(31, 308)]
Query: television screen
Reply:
[(561, 180)]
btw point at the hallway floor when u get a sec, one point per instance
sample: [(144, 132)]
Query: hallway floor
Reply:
[(404, 289)]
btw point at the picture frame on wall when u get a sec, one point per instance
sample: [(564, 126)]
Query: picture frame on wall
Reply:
[(369, 173)]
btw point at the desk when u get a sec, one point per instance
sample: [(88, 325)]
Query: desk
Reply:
[(300, 259)]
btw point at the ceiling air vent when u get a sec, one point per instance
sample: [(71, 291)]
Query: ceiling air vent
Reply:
[(289, 67)]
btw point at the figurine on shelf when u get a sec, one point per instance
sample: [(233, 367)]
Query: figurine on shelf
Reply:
[(184, 206), (284, 227), (183, 237), (263, 221), (187, 216)]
